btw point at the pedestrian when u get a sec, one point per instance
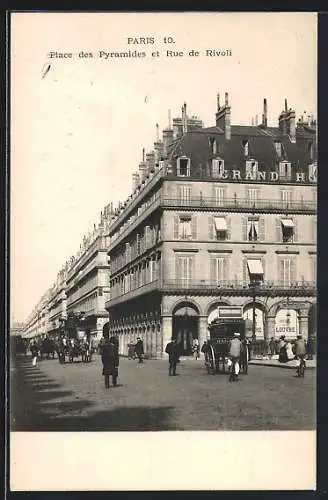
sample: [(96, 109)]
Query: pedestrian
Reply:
[(234, 351), (272, 347), (289, 351), (195, 348), (172, 349), (110, 358), (34, 351), (139, 350), (283, 358)]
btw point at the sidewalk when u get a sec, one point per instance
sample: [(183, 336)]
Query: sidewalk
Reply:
[(310, 363)]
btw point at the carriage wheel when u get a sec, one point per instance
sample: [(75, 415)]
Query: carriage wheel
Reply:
[(211, 368)]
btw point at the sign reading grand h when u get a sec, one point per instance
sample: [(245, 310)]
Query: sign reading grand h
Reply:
[(271, 176)]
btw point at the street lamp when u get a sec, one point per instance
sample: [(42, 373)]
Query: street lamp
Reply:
[(253, 287)]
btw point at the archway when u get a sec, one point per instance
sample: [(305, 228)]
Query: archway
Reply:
[(212, 312), (260, 318), (185, 326)]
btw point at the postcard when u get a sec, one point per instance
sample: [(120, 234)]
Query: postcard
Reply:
[(163, 251)]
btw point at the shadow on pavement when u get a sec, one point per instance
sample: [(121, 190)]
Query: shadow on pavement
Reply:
[(37, 405)]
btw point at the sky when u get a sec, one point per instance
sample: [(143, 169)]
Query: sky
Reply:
[(77, 133)]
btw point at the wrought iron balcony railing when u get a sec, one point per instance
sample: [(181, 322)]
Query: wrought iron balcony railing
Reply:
[(213, 287)]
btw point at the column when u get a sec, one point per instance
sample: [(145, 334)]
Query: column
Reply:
[(304, 325), (166, 332), (270, 327), (203, 330), (158, 334)]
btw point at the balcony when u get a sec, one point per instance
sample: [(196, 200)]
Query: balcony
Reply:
[(202, 203), (132, 294), (210, 287), (241, 205)]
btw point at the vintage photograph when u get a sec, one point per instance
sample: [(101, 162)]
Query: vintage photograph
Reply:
[(163, 222)]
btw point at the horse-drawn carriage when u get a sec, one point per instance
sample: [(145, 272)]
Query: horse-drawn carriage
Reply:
[(73, 348), (216, 349)]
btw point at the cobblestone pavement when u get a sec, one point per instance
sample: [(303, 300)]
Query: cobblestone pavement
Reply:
[(72, 397)]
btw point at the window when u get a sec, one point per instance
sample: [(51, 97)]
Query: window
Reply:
[(184, 269), (313, 170), (252, 229), (286, 197), (245, 145), (252, 196), (311, 150), (213, 146), (279, 148), (286, 270), (219, 195), (255, 269), (217, 168), (152, 270), (185, 228), (219, 269), (183, 167), (287, 230), (285, 170), (184, 194), (251, 168), (220, 225)]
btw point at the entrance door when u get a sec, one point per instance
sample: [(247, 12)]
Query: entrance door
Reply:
[(185, 330)]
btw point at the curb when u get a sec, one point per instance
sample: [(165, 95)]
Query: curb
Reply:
[(282, 365)]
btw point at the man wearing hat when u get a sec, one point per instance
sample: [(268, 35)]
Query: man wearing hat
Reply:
[(234, 354)]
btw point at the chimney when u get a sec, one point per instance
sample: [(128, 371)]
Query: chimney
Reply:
[(223, 117), (265, 114), (291, 125), (167, 140), (143, 168), (184, 119), (135, 181), (150, 162)]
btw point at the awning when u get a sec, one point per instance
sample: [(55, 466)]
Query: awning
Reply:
[(255, 266), (220, 224), (288, 223)]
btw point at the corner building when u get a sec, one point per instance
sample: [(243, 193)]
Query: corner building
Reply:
[(214, 211)]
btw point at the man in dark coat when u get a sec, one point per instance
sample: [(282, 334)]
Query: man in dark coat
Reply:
[(172, 349), (139, 349), (110, 358)]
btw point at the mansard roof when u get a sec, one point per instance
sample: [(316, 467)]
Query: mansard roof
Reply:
[(196, 145)]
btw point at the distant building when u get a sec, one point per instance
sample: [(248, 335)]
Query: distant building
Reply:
[(218, 216)]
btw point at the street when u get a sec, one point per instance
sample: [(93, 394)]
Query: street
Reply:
[(72, 397)]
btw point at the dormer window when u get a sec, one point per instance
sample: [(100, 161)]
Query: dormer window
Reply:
[(285, 170), (311, 150), (217, 167), (183, 167), (279, 148), (313, 171), (251, 168), (213, 146), (245, 145)]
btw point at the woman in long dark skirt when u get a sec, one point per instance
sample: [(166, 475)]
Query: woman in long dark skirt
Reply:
[(110, 358)]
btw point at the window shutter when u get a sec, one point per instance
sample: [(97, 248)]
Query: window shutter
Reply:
[(210, 227), (314, 229), (176, 227), (226, 273), (281, 270), (244, 228), (245, 271), (179, 193), (263, 265), (261, 229), (295, 236), (278, 230), (194, 227), (191, 268), (178, 268), (293, 269), (228, 221), (213, 272)]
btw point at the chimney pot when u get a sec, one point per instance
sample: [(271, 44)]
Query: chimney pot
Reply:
[(226, 99)]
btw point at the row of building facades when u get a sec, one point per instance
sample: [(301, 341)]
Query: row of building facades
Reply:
[(212, 212)]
